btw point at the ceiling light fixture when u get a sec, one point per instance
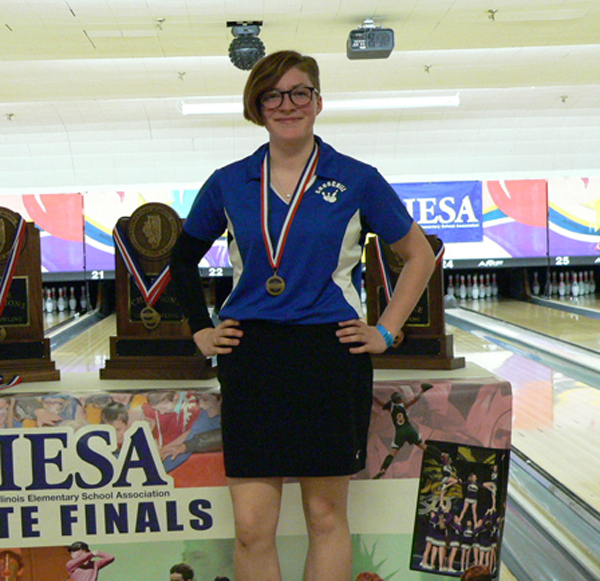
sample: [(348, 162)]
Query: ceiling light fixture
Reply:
[(224, 105), (246, 49), (384, 103)]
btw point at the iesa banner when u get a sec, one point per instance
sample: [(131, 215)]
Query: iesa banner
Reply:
[(125, 484), (450, 210)]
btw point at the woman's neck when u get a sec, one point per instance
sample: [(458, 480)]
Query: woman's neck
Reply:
[(291, 156)]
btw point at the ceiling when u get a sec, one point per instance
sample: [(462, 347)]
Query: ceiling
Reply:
[(91, 88)]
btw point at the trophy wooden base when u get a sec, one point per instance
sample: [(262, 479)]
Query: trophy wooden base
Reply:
[(28, 359), (156, 359), (420, 353)]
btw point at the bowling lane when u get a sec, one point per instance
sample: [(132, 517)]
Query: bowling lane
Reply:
[(555, 418), (89, 350), (55, 319), (566, 326)]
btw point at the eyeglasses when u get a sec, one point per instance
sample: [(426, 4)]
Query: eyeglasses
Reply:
[(300, 96)]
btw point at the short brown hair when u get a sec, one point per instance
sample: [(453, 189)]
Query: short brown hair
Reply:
[(477, 573), (266, 74), (186, 572)]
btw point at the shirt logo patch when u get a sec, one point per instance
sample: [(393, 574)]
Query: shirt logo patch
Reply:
[(330, 191)]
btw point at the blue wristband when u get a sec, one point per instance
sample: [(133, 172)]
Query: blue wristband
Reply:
[(389, 340)]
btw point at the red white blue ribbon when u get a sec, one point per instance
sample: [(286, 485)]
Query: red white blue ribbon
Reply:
[(14, 381), (151, 292), (301, 187), (11, 263), (384, 269)]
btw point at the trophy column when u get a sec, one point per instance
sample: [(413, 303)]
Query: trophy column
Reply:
[(153, 339), (425, 345), (24, 351)]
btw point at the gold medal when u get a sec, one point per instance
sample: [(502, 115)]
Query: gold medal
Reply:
[(275, 285), (150, 318)]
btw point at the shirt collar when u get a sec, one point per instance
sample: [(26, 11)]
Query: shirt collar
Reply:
[(327, 166)]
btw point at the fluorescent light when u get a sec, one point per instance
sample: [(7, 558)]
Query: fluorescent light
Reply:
[(226, 106), (379, 103), (215, 108)]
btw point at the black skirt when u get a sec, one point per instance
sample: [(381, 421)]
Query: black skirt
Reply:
[(295, 403)]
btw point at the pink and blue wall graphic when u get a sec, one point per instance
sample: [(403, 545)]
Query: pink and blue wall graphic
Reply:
[(477, 220)]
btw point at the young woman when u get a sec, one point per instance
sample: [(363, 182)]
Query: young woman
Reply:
[(292, 346)]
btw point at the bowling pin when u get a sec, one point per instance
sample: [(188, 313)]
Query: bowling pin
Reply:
[(474, 288), (83, 299), (72, 299), (462, 289), (561, 285), (450, 291), (586, 283), (60, 303), (48, 301), (536, 284), (575, 286)]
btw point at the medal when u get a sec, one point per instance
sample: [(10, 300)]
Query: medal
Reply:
[(275, 284), (10, 220), (150, 317), (151, 292)]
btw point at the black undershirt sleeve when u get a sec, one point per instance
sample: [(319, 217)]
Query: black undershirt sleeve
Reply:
[(186, 284)]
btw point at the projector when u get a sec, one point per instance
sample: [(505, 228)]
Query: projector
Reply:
[(370, 43)]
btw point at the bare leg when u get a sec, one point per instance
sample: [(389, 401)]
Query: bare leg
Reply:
[(423, 562), (451, 558), (256, 504), (442, 558), (325, 502), (451, 482), (386, 463), (463, 511)]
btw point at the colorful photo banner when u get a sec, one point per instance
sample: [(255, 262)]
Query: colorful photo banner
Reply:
[(137, 476)]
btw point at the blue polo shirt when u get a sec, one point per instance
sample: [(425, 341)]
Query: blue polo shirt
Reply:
[(321, 261)]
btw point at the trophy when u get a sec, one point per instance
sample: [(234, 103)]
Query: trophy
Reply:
[(425, 345), (24, 351), (153, 338)]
